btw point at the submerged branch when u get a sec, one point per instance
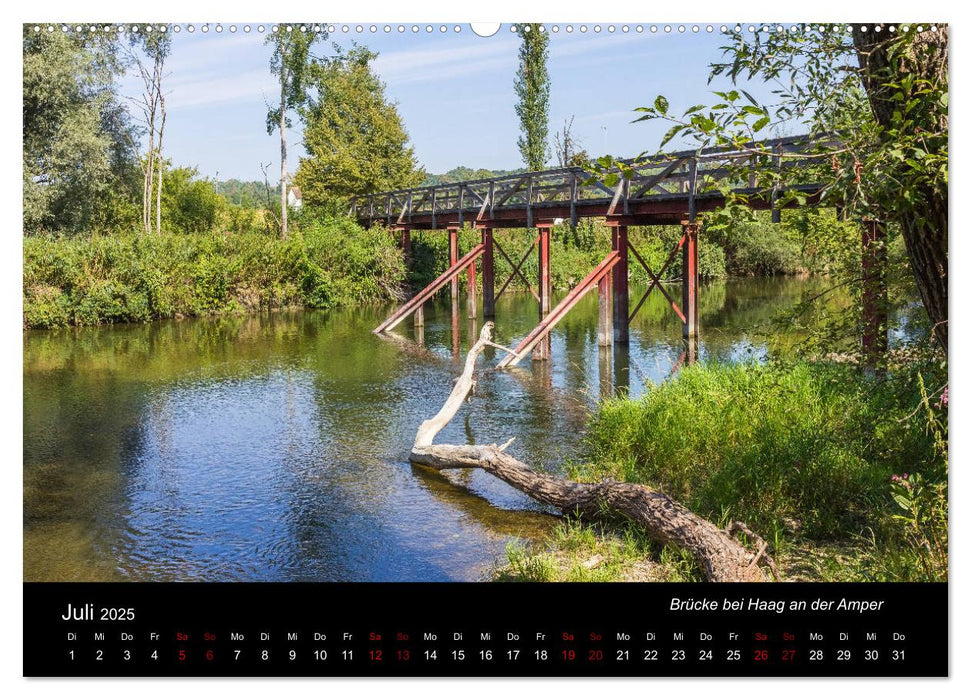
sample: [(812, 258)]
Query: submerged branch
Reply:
[(720, 556)]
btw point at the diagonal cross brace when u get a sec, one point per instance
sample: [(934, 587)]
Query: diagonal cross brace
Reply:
[(656, 281), (516, 268), (589, 282)]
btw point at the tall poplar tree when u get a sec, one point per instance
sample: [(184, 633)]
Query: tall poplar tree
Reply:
[(533, 89)]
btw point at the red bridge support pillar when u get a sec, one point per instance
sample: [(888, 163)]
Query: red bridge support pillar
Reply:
[(488, 275), (542, 349), (471, 284), (453, 257), (603, 309), (874, 257), (405, 242), (689, 279), (621, 293)]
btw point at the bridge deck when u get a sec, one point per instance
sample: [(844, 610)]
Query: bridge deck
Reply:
[(660, 190)]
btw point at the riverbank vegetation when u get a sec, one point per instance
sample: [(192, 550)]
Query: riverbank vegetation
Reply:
[(221, 257), (843, 471), (212, 247), (90, 280)]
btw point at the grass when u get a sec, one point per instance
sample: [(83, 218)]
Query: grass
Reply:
[(805, 454), (92, 280), (582, 552)]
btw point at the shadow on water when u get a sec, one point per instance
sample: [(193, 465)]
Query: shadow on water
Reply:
[(274, 447)]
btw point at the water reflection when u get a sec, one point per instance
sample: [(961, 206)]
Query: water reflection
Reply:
[(275, 447)]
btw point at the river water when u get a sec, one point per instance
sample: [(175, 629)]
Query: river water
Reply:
[(274, 447)]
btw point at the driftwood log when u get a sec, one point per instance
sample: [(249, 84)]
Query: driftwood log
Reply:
[(721, 557)]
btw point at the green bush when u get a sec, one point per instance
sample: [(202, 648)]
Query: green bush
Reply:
[(190, 205), (134, 278), (759, 248), (809, 448)]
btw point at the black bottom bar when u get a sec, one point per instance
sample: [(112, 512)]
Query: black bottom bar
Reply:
[(485, 629)]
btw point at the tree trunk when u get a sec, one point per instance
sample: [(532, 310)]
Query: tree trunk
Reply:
[(927, 250), (146, 193), (720, 556), (283, 157), (161, 133), (925, 228), (149, 176)]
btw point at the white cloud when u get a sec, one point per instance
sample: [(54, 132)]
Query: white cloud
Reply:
[(207, 89), (207, 70), (602, 44), (434, 65), (430, 65)]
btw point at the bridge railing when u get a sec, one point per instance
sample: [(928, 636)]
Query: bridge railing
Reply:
[(677, 174)]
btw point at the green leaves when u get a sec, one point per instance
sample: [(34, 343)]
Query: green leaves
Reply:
[(79, 167), (533, 91), (703, 123), (672, 132), (291, 62), (761, 123), (355, 138)]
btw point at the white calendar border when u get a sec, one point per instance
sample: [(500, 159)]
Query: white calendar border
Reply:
[(706, 11)]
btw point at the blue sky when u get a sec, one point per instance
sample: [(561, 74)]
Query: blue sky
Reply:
[(454, 92)]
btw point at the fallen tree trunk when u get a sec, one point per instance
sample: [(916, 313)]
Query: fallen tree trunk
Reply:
[(720, 556)]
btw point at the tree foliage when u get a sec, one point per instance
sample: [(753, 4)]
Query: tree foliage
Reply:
[(78, 148), (189, 204), (533, 90), (875, 106), (290, 62), (462, 173), (249, 195), (355, 139)]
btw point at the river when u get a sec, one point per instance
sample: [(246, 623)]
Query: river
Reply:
[(274, 447)]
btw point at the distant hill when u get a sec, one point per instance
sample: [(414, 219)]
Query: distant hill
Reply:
[(246, 194), (462, 173)]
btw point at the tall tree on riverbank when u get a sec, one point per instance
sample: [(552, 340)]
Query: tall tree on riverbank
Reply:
[(355, 139), (155, 44), (533, 90), (290, 61), (877, 100), (78, 155)]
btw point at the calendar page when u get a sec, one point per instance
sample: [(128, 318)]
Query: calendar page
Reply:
[(485, 349)]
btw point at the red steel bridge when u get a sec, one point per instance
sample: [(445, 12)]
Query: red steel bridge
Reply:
[(670, 189)]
